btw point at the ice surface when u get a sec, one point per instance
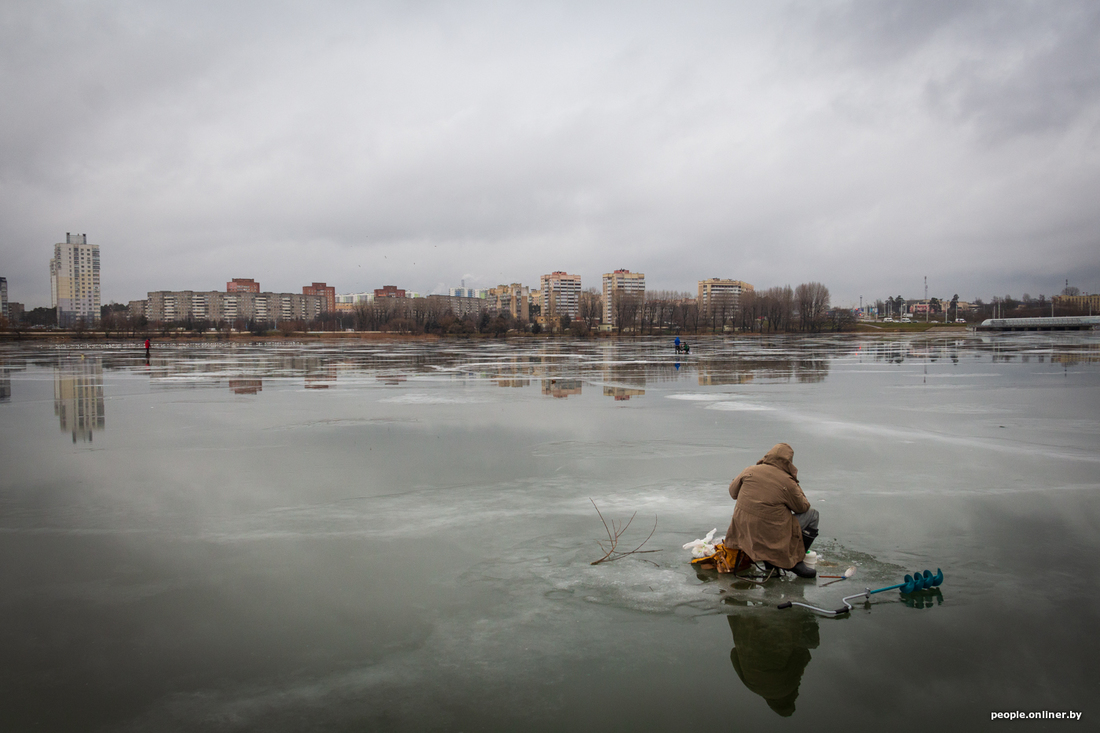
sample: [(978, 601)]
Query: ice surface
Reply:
[(209, 542)]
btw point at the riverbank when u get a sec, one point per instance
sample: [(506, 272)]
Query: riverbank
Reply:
[(274, 337)]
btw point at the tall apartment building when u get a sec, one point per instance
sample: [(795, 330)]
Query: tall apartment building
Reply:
[(74, 280), (325, 291), (560, 295), (618, 284), (717, 292), (242, 285), (514, 298), (4, 297), (389, 291)]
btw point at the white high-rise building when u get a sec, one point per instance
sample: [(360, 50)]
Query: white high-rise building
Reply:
[(717, 292), (560, 295), (617, 285), (74, 281)]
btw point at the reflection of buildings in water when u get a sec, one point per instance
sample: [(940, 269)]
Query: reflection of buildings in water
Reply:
[(709, 376), (5, 385), (320, 377), (246, 386), (78, 397), (770, 653), (805, 370), (621, 394), (513, 382), (811, 371), (392, 380), (632, 374), (561, 388), (1089, 354)]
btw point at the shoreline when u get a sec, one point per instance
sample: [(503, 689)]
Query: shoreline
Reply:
[(89, 338)]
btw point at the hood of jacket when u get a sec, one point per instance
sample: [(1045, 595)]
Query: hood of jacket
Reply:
[(781, 456)]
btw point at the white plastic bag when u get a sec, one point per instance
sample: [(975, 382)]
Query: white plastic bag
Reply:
[(703, 547)]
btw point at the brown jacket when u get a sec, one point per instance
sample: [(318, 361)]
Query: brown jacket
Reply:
[(768, 496)]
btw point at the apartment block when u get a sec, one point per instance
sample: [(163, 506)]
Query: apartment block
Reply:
[(459, 306), (348, 302), (618, 284), (242, 285), (389, 291), (74, 281), (718, 293), (465, 292), (327, 292), (514, 298), (214, 305), (560, 295), (4, 297)]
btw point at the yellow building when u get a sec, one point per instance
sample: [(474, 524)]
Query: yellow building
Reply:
[(513, 298), (1078, 302)]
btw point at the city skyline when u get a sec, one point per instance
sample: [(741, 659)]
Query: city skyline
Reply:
[(863, 146)]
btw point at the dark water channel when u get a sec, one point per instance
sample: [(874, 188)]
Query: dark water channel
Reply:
[(398, 536)]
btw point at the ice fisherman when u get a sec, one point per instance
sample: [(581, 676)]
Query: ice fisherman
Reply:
[(773, 521)]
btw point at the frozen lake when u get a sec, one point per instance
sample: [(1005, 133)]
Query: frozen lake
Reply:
[(398, 535)]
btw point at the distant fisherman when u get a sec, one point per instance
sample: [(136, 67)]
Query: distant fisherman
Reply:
[(773, 521), (147, 344)]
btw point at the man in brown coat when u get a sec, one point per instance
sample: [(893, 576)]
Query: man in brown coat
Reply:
[(772, 521)]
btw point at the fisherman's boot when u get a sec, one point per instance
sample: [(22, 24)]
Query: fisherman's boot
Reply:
[(803, 570)]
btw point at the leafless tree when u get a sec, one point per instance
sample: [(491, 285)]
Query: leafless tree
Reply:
[(590, 307), (625, 307), (812, 301)]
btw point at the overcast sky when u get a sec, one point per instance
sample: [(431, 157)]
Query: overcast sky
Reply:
[(861, 144)]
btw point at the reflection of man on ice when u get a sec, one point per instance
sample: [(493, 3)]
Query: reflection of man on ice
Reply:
[(770, 655), (773, 521)]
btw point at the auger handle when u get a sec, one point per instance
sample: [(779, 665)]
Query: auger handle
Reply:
[(890, 587), (784, 604)]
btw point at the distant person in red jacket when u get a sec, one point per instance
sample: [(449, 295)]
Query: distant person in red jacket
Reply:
[(147, 349)]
